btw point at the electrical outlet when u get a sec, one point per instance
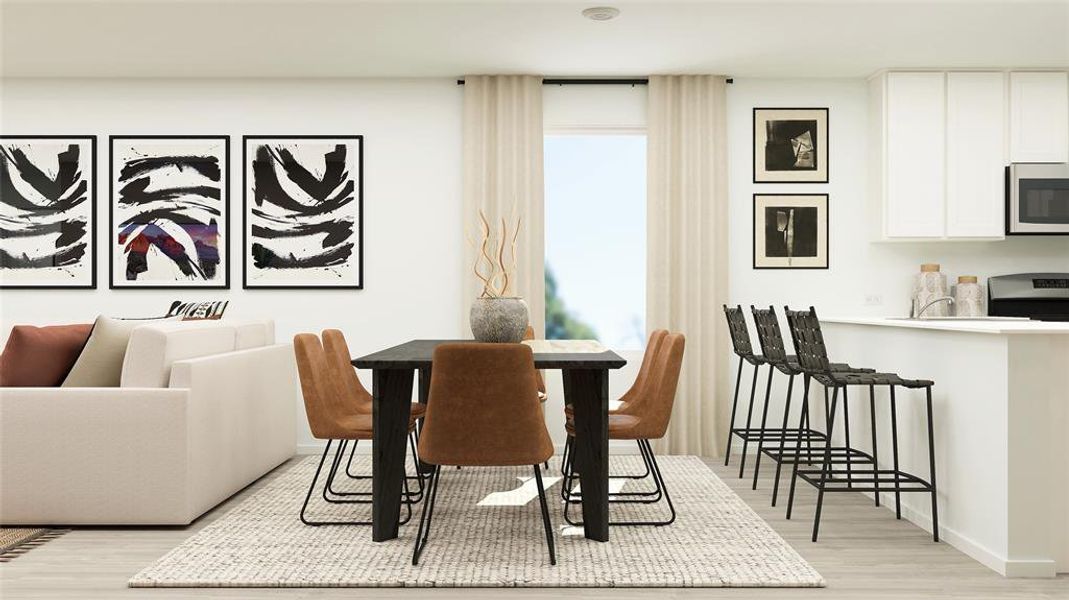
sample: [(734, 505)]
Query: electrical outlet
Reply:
[(873, 300)]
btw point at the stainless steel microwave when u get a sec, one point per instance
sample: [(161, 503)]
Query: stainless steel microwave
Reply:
[(1037, 199)]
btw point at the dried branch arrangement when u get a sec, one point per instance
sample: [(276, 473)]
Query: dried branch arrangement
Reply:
[(495, 262)]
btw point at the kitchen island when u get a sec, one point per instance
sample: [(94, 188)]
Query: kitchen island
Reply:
[(1001, 411)]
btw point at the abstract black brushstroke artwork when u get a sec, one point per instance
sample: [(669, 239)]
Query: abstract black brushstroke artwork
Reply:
[(170, 211), (303, 205), (47, 211), (790, 231), (790, 145)]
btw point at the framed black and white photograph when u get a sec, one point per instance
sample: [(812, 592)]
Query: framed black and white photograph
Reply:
[(790, 231), (47, 212), (790, 145), (304, 212), (170, 212)]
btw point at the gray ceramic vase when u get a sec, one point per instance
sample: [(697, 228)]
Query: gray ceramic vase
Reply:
[(501, 320)]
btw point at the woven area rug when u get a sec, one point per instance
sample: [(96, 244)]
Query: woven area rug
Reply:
[(16, 541), (488, 533)]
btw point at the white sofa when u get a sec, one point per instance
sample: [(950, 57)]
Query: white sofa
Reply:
[(204, 408)]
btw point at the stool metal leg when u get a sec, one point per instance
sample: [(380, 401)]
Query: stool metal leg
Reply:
[(764, 423), (826, 467), (894, 453), (931, 466), (798, 445), (783, 442), (749, 419), (846, 434), (734, 406), (875, 447)]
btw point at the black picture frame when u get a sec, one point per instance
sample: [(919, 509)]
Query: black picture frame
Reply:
[(358, 141), (821, 115), (224, 260), (822, 223), (92, 229)]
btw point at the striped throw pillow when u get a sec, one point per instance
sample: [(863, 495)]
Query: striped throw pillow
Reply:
[(197, 311)]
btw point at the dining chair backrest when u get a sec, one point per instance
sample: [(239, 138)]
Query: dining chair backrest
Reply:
[(769, 334), (638, 389), (656, 411), (321, 388), (740, 335), (808, 341), (483, 408), (338, 356), (529, 335)]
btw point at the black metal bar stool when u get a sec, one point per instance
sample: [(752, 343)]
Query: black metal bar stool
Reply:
[(813, 360), (740, 341), (780, 444)]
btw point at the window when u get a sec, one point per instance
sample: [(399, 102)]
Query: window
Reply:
[(595, 227)]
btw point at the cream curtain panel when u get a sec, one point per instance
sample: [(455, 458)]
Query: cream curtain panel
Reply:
[(502, 157), (686, 272)]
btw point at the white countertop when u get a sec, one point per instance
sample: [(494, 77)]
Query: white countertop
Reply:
[(966, 325)]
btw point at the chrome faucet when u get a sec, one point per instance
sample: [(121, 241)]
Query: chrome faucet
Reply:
[(918, 314)]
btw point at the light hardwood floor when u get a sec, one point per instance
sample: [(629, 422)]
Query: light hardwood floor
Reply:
[(863, 553)]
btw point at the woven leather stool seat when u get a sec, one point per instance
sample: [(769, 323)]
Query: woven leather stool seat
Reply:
[(871, 378)]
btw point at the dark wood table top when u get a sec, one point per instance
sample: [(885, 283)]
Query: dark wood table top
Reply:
[(417, 354)]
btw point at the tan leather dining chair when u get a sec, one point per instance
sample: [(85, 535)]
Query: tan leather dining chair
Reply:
[(483, 411), (339, 356), (644, 418), (333, 415), (633, 394), (542, 395)]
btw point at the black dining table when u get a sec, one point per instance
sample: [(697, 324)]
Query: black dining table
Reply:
[(586, 388)]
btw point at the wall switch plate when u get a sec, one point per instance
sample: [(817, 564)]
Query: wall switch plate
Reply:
[(873, 300)]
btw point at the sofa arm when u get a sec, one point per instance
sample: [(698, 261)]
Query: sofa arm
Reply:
[(242, 418), (79, 456)]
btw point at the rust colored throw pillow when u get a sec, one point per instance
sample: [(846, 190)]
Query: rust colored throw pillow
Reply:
[(41, 356)]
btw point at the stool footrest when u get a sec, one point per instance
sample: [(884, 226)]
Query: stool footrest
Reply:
[(757, 434), (815, 455), (865, 480)]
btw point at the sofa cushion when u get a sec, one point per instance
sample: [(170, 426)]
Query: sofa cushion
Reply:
[(153, 349), (253, 334), (100, 362), (41, 356)]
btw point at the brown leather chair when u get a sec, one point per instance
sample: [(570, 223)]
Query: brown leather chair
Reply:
[(644, 418), (482, 411), (360, 399), (333, 415), (633, 394)]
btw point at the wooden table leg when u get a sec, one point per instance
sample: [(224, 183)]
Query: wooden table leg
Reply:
[(392, 392), (587, 390)]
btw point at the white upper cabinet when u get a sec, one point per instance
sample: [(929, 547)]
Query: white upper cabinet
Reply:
[(914, 177), (941, 141), (1039, 117), (975, 155)]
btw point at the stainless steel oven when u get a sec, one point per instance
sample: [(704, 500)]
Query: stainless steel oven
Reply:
[(1037, 199)]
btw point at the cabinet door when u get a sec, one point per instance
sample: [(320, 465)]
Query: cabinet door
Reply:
[(1039, 117), (914, 199), (976, 154)]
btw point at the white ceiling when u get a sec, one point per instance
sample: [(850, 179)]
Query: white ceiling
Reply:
[(342, 38)]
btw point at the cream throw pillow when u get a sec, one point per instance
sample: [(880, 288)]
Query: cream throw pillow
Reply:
[(100, 363)]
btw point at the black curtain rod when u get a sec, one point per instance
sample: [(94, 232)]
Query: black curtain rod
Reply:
[(633, 81)]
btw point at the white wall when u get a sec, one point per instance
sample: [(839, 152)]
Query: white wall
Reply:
[(412, 227), (858, 267), (412, 200), (413, 222)]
